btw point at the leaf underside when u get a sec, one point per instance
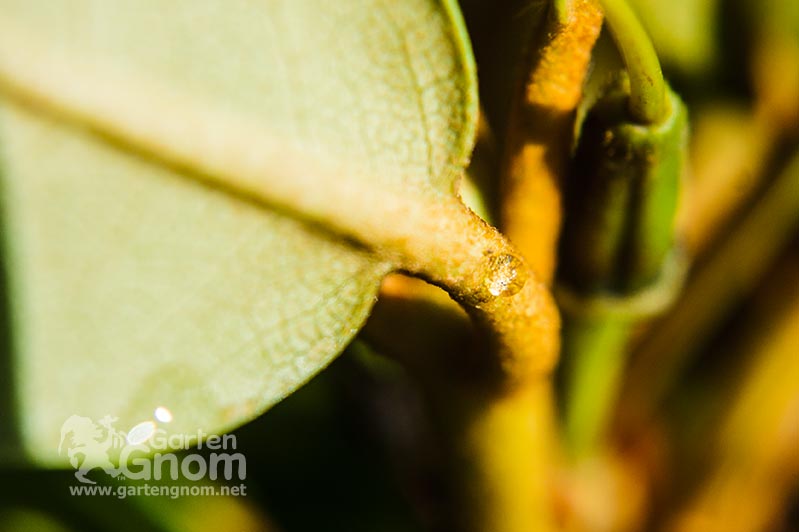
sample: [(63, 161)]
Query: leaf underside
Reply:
[(138, 281)]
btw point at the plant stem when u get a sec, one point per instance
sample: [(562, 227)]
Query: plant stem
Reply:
[(562, 10), (618, 263), (594, 378), (540, 132), (505, 454), (500, 438), (500, 409), (648, 90)]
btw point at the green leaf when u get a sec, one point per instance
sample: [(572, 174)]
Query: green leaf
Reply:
[(136, 288), (684, 32), (157, 182)]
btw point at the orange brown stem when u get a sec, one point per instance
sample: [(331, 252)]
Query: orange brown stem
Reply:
[(540, 134)]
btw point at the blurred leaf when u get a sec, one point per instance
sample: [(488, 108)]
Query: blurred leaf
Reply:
[(684, 32), (148, 266)]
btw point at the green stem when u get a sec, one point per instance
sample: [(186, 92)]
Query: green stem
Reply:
[(562, 10), (618, 261), (596, 349), (647, 88)]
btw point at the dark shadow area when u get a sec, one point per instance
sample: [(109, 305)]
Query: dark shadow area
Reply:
[(314, 461)]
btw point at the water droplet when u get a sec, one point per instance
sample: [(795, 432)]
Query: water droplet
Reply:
[(504, 278), (163, 414), (141, 432)]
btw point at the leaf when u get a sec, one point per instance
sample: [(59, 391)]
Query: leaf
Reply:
[(684, 33), (136, 288), (161, 255)]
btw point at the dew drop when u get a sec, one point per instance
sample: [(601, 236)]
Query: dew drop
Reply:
[(503, 277)]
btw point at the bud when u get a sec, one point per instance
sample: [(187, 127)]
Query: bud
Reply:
[(621, 197)]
